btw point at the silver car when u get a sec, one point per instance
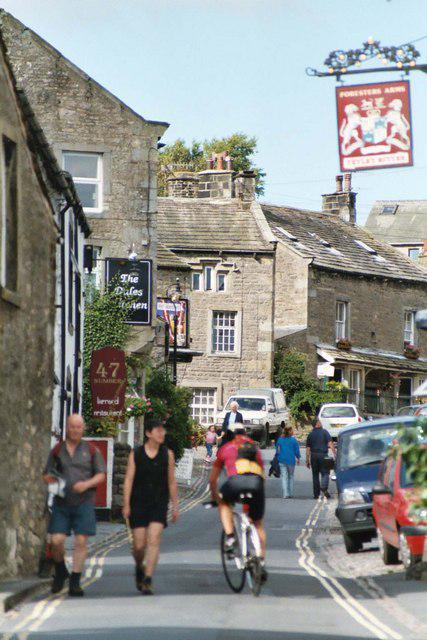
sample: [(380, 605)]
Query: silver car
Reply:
[(336, 415)]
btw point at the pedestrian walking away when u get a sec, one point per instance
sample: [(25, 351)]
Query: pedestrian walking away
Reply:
[(288, 454), (231, 417), (81, 466), (319, 441), (149, 485), (211, 439)]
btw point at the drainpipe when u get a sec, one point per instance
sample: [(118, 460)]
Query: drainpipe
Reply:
[(63, 319)]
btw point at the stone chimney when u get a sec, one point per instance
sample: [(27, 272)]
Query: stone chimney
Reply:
[(244, 186), (342, 203), (217, 180), (184, 184), (422, 259)]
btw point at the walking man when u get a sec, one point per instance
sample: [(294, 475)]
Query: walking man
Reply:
[(82, 467), (231, 417), (149, 485), (318, 442)]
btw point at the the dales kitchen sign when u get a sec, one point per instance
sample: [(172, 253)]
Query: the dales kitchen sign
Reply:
[(134, 278)]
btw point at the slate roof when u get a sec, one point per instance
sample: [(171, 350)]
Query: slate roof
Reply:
[(331, 244), (383, 359), (167, 258), (408, 224), (210, 224)]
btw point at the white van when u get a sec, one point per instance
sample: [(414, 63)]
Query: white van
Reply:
[(264, 412)]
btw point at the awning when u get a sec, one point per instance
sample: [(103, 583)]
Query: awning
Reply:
[(371, 358)]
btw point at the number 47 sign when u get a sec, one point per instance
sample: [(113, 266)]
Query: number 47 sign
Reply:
[(108, 382)]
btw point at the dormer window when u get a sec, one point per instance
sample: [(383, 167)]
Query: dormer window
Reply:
[(208, 278)]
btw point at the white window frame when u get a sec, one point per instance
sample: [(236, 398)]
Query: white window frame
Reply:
[(218, 276), (237, 334), (197, 407), (341, 325), (200, 287), (99, 180), (409, 327), (96, 269), (205, 279)]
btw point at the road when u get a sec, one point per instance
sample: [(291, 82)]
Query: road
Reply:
[(306, 598)]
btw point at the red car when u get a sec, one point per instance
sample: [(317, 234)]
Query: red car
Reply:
[(392, 498)]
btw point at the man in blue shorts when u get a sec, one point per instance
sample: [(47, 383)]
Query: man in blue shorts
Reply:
[(82, 467)]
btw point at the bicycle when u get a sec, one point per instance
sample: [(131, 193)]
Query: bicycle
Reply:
[(245, 560)]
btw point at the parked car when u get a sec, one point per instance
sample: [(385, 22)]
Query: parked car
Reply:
[(392, 498), (361, 450), (336, 415), (264, 412), (412, 410)]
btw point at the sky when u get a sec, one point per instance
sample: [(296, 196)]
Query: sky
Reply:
[(214, 67)]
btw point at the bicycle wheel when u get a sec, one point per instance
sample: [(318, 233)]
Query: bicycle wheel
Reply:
[(253, 564), (234, 568)]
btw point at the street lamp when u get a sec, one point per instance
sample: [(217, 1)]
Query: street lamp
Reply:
[(175, 296)]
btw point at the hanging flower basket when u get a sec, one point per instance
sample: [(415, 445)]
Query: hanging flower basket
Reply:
[(136, 407), (344, 344), (411, 352)]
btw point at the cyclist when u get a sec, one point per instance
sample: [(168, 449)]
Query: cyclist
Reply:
[(242, 461)]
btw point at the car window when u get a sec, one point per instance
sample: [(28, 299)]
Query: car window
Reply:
[(338, 412), (248, 404), (367, 446), (406, 411)]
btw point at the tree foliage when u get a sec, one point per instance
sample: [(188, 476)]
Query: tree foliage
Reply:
[(411, 443), (193, 157)]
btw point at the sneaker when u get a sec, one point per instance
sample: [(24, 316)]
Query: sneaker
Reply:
[(333, 476), (61, 574), (147, 587), (229, 543), (139, 577)]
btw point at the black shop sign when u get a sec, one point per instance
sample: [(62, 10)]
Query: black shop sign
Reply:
[(134, 277)]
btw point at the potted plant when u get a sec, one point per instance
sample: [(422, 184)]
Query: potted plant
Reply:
[(136, 407), (344, 343), (411, 351)]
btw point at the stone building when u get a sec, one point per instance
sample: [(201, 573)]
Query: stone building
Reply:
[(109, 149), (345, 299), (36, 201), (401, 223), (214, 237)]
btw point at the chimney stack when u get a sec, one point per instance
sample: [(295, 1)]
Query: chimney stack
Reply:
[(342, 203), (184, 184), (244, 186), (217, 182)]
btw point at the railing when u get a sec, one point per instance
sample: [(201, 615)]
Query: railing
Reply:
[(372, 403)]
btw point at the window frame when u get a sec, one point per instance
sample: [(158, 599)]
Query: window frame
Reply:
[(342, 323), (209, 406), (99, 180), (417, 249), (208, 269), (4, 210), (200, 276), (237, 334), (218, 276), (412, 341)]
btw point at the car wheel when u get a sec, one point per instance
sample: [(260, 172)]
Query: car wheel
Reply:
[(352, 543), (389, 554), (408, 558)]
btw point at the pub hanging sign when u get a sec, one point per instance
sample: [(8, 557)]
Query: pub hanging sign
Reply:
[(134, 278), (374, 126)]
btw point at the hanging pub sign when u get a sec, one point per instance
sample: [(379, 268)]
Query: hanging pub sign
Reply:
[(134, 278), (374, 126), (166, 311), (108, 381)]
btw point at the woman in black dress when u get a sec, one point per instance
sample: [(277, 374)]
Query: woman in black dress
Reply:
[(149, 485)]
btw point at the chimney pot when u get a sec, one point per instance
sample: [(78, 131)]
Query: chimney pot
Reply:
[(347, 182), (338, 184)]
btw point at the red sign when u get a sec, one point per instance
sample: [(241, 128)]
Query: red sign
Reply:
[(374, 126), (104, 491), (108, 382)]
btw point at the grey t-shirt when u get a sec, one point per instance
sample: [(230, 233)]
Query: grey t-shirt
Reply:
[(82, 466)]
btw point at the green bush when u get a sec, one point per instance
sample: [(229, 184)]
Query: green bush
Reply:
[(306, 403), (411, 443), (171, 403)]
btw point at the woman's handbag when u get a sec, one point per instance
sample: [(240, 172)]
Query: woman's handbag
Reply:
[(275, 467), (329, 463)]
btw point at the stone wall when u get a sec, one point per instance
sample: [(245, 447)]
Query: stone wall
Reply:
[(26, 360), (249, 291), (291, 289), (77, 114), (215, 184), (121, 454)]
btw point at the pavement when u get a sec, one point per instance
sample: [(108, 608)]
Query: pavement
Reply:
[(315, 590)]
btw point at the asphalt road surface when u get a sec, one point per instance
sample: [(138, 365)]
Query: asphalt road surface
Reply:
[(304, 598)]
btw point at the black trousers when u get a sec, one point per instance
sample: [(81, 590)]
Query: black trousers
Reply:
[(320, 473)]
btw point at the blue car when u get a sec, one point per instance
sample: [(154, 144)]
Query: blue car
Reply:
[(361, 449)]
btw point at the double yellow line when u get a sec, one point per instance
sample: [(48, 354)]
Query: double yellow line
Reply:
[(339, 593)]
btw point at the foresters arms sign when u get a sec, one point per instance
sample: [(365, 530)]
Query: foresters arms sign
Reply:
[(374, 126), (134, 279), (108, 381)]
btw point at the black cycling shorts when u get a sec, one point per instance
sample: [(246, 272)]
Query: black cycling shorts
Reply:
[(246, 482)]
